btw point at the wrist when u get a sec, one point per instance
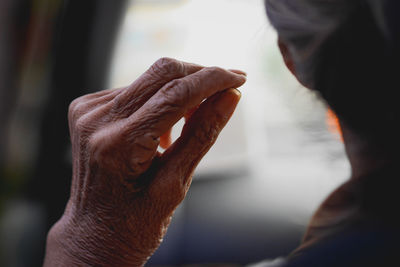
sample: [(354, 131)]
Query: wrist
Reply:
[(71, 245)]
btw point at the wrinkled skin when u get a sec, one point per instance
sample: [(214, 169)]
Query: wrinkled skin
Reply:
[(124, 191)]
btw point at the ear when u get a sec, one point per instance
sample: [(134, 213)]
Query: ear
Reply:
[(287, 57)]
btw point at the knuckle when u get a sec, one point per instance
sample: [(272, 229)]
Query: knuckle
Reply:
[(76, 108), (174, 85), (175, 93), (73, 103), (88, 123), (119, 103), (167, 66), (72, 109), (216, 71), (82, 124), (99, 149), (125, 103)]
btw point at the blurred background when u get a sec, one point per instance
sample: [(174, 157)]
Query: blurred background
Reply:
[(254, 192)]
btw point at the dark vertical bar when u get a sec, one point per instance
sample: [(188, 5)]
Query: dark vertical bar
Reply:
[(81, 57)]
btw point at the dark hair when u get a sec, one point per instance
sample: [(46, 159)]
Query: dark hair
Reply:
[(356, 74), (354, 68)]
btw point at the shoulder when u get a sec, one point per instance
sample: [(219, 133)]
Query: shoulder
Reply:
[(357, 225), (362, 246)]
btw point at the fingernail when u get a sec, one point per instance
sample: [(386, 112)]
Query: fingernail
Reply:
[(241, 72), (227, 102)]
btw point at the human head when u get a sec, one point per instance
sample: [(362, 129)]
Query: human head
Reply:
[(346, 51)]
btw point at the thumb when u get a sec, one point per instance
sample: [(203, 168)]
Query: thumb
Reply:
[(198, 135)]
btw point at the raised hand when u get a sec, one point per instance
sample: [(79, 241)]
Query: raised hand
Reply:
[(124, 191)]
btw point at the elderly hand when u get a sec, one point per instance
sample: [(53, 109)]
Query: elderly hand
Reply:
[(124, 191)]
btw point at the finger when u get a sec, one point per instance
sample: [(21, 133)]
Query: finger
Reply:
[(190, 112), (84, 104), (165, 139), (95, 100), (88, 99), (238, 71), (161, 72), (176, 98), (198, 135), (142, 130)]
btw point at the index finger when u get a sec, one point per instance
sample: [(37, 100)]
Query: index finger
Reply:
[(161, 72), (173, 100)]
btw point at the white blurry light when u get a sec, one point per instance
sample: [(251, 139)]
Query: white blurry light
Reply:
[(234, 34), (207, 32)]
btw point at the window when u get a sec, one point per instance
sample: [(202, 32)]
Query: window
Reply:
[(277, 143)]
